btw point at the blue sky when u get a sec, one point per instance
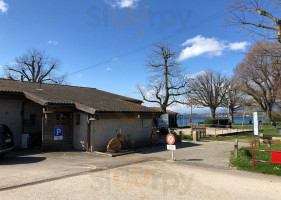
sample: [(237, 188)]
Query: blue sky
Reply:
[(84, 33)]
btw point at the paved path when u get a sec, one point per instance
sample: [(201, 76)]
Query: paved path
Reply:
[(204, 153), (155, 180), (216, 131)]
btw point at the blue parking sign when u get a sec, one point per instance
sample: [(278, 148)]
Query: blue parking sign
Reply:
[(58, 133)]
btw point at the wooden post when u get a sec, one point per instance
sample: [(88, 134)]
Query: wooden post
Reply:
[(261, 138), (236, 148), (269, 144), (194, 134), (215, 132)]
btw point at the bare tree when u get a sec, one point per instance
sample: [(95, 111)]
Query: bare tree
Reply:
[(261, 17), (34, 66), (235, 100), (259, 74), (209, 89), (168, 82)]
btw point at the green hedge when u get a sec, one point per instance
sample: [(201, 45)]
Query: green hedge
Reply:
[(216, 122)]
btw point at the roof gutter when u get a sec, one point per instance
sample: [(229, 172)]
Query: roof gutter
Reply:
[(35, 99), (85, 108)]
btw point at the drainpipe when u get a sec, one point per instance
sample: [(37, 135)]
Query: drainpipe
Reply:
[(90, 119), (22, 116), (89, 135)]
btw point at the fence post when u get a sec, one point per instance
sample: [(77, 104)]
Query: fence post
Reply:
[(236, 147), (194, 135), (253, 155), (215, 132)]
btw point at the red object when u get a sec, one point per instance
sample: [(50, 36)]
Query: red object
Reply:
[(190, 120), (170, 139), (275, 155)]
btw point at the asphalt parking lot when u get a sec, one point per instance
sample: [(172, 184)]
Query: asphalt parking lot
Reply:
[(154, 180), (213, 154), (32, 165)]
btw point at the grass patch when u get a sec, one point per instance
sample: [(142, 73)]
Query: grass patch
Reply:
[(266, 129), (186, 137), (244, 161), (242, 137)]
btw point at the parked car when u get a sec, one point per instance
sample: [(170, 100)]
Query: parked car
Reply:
[(6, 139)]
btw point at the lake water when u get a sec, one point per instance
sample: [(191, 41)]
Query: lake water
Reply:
[(183, 120)]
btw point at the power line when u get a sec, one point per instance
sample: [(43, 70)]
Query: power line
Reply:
[(196, 25)]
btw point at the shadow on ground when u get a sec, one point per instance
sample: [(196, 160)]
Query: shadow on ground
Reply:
[(23, 156), (18, 160), (192, 160), (163, 147)]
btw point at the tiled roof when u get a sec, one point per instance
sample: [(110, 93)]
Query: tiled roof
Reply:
[(167, 111), (90, 100)]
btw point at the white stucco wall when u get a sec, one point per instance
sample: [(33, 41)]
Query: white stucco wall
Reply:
[(102, 131), (80, 132), (10, 115)]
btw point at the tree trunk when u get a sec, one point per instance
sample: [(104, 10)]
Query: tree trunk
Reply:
[(164, 109), (213, 113), (279, 32), (268, 115), (231, 117)]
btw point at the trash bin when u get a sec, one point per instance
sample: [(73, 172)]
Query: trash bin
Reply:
[(278, 131), (25, 140)]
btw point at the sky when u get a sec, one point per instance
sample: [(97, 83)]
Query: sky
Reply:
[(104, 44)]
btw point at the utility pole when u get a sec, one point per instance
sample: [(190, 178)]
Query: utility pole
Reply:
[(229, 117), (191, 118)]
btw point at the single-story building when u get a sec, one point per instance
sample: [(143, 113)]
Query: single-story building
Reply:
[(61, 117)]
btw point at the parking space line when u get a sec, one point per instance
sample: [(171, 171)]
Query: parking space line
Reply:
[(71, 175)]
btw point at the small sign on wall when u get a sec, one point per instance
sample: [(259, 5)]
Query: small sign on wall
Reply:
[(58, 133), (256, 123)]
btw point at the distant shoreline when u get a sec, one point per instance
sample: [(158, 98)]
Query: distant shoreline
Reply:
[(183, 120)]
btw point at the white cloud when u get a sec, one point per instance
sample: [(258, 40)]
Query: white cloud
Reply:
[(209, 47), (195, 74), (108, 69), (3, 6), (79, 76), (149, 94), (122, 3), (238, 46), (180, 108), (53, 42), (184, 109)]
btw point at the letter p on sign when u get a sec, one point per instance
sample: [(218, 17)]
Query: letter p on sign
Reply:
[(58, 133)]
